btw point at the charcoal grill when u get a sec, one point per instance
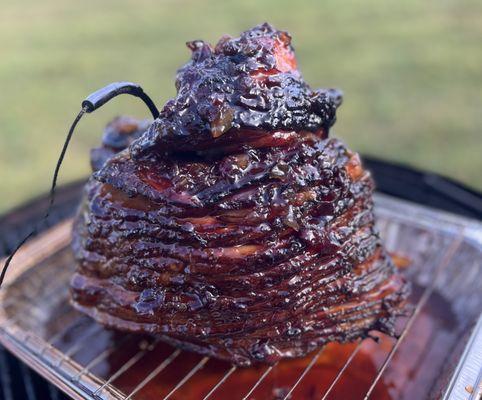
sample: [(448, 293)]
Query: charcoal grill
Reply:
[(437, 352)]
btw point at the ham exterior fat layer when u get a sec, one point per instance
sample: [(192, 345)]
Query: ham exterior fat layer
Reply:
[(232, 225)]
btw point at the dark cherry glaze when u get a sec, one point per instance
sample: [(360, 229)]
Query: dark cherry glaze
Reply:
[(234, 226), (231, 94)]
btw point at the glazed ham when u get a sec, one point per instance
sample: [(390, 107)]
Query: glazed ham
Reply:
[(232, 225)]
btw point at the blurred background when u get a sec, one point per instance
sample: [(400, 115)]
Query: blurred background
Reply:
[(411, 72)]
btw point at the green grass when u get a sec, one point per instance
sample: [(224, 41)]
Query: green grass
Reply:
[(411, 72)]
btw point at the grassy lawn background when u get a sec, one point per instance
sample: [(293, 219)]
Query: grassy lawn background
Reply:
[(411, 72)]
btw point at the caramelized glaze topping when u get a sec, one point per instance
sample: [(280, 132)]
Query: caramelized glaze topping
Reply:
[(245, 84)]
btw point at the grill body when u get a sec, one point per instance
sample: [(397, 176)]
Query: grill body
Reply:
[(440, 253)]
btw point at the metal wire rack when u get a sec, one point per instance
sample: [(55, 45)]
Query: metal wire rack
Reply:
[(87, 361)]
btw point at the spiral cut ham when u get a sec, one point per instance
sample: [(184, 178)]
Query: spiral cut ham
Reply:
[(232, 225)]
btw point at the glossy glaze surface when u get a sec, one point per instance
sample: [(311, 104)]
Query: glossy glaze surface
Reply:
[(237, 228)]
